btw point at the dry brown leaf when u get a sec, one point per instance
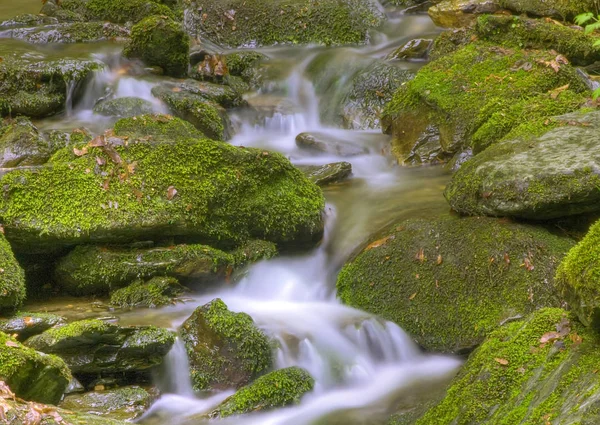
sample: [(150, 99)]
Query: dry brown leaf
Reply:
[(556, 92), (439, 259), (549, 337), (378, 243), (171, 192), (420, 256), (33, 417), (28, 321), (575, 339), (98, 141), (412, 297), (80, 152), (503, 362), (10, 343), (131, 167), (100, 161), (506, 258)]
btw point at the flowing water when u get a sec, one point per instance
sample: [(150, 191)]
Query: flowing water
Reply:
[(364, 367)]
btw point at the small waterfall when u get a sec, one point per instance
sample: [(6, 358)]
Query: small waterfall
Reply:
[(175, 378), (70, 94)]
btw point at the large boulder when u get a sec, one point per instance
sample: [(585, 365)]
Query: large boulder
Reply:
[(32, 375), (125, 403), (449, 282), (540, 370), (225, 349), (12, 278), (94, 347), (39, 88), (578, 278), (158, 291), (160, 41), (121, 188), (273, 390), (479, 94), (117, 11), (554, 175), (243, 23), (155, 128)]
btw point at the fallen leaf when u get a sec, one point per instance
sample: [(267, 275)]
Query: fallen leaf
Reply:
[(171, 192), (131, 167), (10, 343), (98, 141), (503, 362), (575, 339), (549, 337), (80, 152), (420, 255), (506, 258), (28, 321), (100, 161), (378, 243), (556, 92), (527, 264), (439, 259), (33, 417), (105, 184), (412, 296)]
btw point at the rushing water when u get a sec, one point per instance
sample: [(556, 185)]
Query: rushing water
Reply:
[(364, 367)]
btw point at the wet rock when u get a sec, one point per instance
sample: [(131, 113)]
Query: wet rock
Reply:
[(427, 149), (225, 349), (248, 23), (461, 13), (223, 95), (27, 20), (160, 41), (323, 175), (21, 144), (12, 285), (117, 11), (156, 128), (158, 291), (91, 347), (126, 403), (273, 390), (329, 144), (32, 375), (554, 175), (198, 189), (414, 49), (79, 32), (481, 94), (207, 116), (124, 107), (213, 67), (555, 8), (242, 64), (449, 282), (577, 278), (40, 88), (25, 324), (544, 365)]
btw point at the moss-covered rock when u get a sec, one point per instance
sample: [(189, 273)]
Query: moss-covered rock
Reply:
[(563, 9), (117, 11), (158, 291), (160, 41), (225, 349), (276, 389), (243, 23), (460, 13), (323, 175), (97, 347), (21, 144), (124, 107), (541, 370), (25, 324), (449, 282), (77, 32), (27, 20), (12, 278), (32, 375), (157, 128), (578, 278), (125, 403), (38, 88), (417, 48), (241, 63), (220, 94), (556, 174), (199, 189)]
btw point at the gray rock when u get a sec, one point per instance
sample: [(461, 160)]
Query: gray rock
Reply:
[(126, 403), (322, 175), (329, 144), (414, 49), (25, 324)]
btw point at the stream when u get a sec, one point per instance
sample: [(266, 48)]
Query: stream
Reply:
[(364, 368)]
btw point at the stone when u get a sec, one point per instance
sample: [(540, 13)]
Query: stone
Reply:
[(461, 13), (328, 144), (22, 144), (413, 49), (323, 175), (116, 11), (12, 284), (125, 403), (157, 292), (78, 32), (26, 324), (124, 107)]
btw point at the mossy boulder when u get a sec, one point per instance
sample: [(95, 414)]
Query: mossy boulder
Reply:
[(449, 282), (562, 9), (124, 107), (156, 128), (158, 291), (540, 370), (21, 144), (475, 96), (243, 23), (25, 324), (160, 41), (27, 20), (323, 175), (220, 94), (77, 32), (12, 278), (275, 389), (32, 375), (417, 48), (253, 252), (198, 189), (125, 403), (38, 88), (242, 63), (553, 175), (225, 349), (578, 278), (117, 11), (461, 13), (94, 347)]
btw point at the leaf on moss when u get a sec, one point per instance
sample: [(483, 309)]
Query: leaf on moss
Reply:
[(503, 362), (378, 243), (171, 192)]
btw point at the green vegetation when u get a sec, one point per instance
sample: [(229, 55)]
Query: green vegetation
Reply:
[(157, 292), (12, 282), (117, 11), (125, 403), (158, 127)]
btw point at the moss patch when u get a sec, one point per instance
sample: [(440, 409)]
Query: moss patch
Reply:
[(158, 291), (12, 278), (118, 11)]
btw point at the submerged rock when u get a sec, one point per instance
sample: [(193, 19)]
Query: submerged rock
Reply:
[(225, 349), (126, 403), (543, 368), (160, 41), (203, 190), (325, 143), (243, 63), (91, 347), (273, 390), (158, 291), (449, 282), (32, 375), (25, 324), (243, 23), (124, 107), (554, 175), (323, 175)]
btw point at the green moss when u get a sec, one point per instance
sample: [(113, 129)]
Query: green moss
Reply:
[(12, 278), (126, 403), (515, 378), (238, 63), (124, 107), (450, 281), (562, 9), (257, 22), (32, 375), (78, 32), (459, 92), (225, 349), (160, 41), (224, 195), (276, 389), (118, 11), (164, 128), (157, 292), (254, 251)]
